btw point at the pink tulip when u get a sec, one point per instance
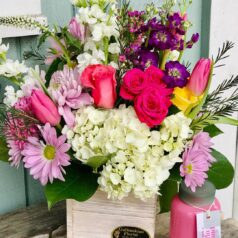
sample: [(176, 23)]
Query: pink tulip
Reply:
[(77, 30), (44, 108), (199, 77)]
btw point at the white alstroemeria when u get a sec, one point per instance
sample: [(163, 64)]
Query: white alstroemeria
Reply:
[(173, 55), (98, 13), (84, 16), (101, 30), (90, 45), (114, 48), (114, 65), (32, 80), (85, 60), (3, 48), (11, 96), (11, 68)]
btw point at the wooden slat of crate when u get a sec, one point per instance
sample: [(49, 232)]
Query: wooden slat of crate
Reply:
[(99, 216)]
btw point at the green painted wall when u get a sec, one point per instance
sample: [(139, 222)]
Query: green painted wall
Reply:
[(17, 188)]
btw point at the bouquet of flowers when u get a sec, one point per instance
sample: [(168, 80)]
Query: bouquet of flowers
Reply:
[(115, 107)]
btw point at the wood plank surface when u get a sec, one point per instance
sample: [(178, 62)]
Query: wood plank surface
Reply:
[(38, 222), (32, 221)]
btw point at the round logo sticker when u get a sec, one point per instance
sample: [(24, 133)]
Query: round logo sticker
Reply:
[(129, 232)]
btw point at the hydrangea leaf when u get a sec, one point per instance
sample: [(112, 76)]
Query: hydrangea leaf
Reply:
[(4, 151), (221, 173), (97, 161), (213, 130), (80, 184), (167, 190)]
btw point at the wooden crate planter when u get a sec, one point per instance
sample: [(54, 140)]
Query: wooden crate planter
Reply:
[(99, 217)]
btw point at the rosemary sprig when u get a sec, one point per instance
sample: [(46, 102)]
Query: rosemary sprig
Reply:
[(34, 54), (225, 85), (222, 53)]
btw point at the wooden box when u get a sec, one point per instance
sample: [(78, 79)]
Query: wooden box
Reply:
[(100, 217)]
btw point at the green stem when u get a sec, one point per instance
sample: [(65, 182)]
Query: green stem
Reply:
[(148, 37), (182, 52), (59, 127), (164, 60), (106, 46), (65, 52)]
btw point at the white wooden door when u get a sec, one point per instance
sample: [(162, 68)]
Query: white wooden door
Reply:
[(224, 20)]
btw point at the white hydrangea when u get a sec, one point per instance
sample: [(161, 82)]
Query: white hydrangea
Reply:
[(3, 48), (11, 96), (11, 68), (141, 159)]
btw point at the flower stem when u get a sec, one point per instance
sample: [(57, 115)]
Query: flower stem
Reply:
[(65, 52), (164, 60)]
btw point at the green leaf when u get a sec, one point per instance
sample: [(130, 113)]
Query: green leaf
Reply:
[(52, 69), (213, 130), (168, 190), (4, 151), (221, 173), (71, 40), (227, 120), (97, 161), (80, 184)]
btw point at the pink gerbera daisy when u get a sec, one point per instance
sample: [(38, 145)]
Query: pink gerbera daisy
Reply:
[(194, 168), (46, 159)]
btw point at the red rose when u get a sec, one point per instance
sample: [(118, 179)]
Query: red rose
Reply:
[(102, 80), (152, 104), (135, 80)]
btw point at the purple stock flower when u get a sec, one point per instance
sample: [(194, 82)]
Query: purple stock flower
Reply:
[(176, 22), (194, 39), (148, 58), (162, 39), (176, 75), (136, 13)]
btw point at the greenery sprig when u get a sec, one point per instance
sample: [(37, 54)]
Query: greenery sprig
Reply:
[(15, 120), (222, 53)]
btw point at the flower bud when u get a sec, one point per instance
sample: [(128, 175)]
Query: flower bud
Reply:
[(199, 77), (44, 108)]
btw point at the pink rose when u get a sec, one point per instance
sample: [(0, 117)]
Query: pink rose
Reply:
[(44, 108), (154, 75), (133, 83), (135, 80), (152, 104), (102, 80)]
